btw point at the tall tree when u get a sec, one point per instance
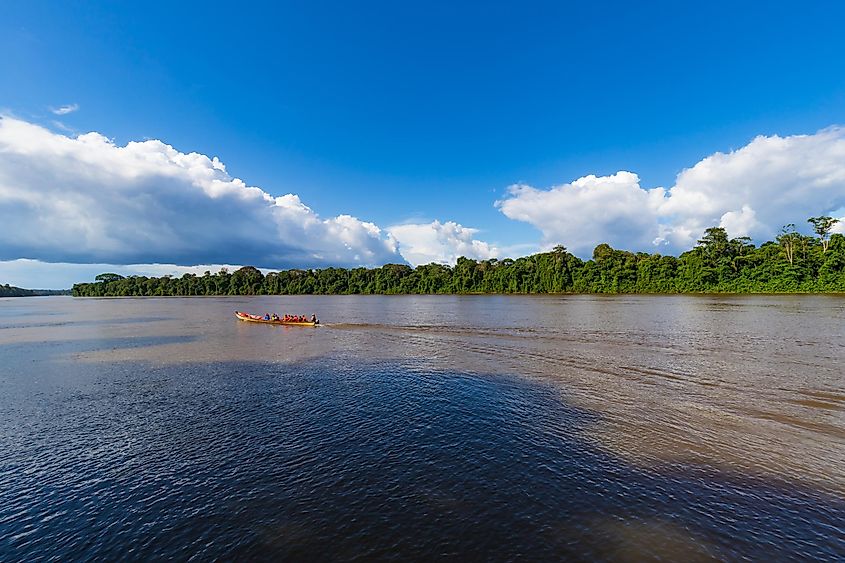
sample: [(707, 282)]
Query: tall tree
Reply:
[(740, 248), (108, 277), (788, 239), (822, 226), (714, 243)]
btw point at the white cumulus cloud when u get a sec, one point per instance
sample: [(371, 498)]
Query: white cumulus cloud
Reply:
[(752, 191), (762, 186), (611, 209), (85, 199), (444, 243)]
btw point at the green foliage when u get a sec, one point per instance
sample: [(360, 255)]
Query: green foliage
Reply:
[(822, 226), (7, 290), (788, 240), (794, 263), (108, 277)]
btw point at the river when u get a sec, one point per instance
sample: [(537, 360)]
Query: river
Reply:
[(418, 427)]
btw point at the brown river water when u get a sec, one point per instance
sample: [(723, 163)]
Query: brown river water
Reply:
[(419, 427)]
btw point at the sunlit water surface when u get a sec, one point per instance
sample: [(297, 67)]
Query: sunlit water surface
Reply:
[(579, 427)]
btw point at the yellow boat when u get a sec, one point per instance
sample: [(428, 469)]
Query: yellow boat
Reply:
[(256, 319)]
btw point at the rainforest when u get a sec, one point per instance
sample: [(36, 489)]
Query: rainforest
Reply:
[(793, 263)]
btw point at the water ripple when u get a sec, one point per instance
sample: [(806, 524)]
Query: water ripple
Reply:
[(417, 441)]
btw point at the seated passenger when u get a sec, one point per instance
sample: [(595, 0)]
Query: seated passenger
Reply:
[(266, 316)]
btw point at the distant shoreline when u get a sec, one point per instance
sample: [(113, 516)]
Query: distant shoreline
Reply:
[(12, 291)]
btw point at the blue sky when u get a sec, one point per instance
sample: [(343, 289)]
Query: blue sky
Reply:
[(409, 113)]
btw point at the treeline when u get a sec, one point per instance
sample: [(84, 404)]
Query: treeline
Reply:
[(7, 290), (792, 263)]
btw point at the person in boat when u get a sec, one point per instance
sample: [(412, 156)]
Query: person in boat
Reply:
[(274, 317), (314, 319), (266, 316)]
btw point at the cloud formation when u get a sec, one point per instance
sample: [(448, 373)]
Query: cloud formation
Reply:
[(85, 200), (444, 243), (65, 109), (612, 209), (752, 191)]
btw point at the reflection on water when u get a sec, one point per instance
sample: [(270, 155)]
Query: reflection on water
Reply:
[(680, 428)]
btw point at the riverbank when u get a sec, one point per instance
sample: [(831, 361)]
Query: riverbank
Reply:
[(731, 266)]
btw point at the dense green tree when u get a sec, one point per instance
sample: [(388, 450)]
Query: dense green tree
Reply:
[(7, 290), (822, 226), (714, 244), (108, 277), (794, 262), (246, 281), (788, 240)]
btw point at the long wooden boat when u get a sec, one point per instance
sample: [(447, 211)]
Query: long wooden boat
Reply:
[(257, 319)]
